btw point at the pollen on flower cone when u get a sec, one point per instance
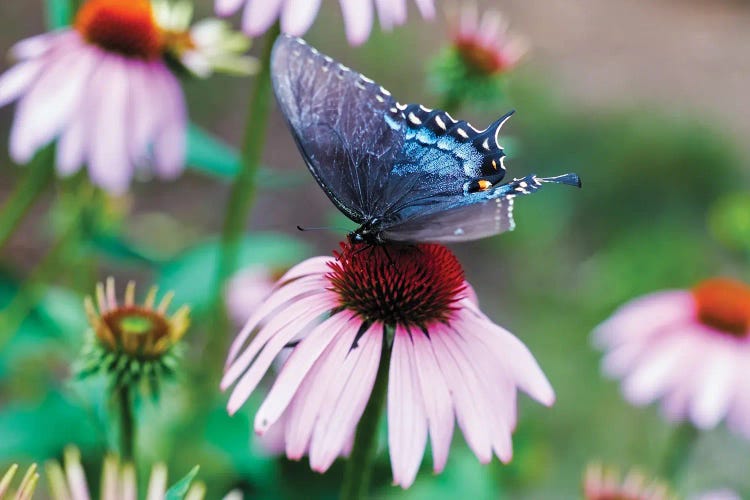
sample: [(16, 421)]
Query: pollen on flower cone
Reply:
[(404, 284)]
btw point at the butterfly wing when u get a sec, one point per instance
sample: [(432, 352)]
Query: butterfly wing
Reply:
[(474, 216), (421, 174), (337, 117)]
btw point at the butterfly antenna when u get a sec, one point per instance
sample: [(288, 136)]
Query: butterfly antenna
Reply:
[(569, 179), (323, 228)]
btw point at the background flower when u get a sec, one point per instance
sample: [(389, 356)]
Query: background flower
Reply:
[(296, 16), (688, 349), (96, 87)]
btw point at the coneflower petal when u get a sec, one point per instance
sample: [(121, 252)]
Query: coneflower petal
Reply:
[(346, 398), (407, 421), (296, 368)]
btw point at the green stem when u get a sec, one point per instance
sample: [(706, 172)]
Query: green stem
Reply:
[(681, 444), (36, 177), (127, 423), (242, 196), (359, 465)]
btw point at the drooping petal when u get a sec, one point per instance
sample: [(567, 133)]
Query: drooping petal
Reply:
[(109, 165), (228, 7), (436, 398), (298, 15), (407, 421), (37, 45), (274, 301), (346, 398), (50, 103), (468, 399), (313, 393), (715, 383), (644, 317), (270, 341), (426, 8), (297, 368), (259, 15), (514, 354), (170, 142), (494, 390), (144, 109), (664, 364), (17, 80), (314, 266), (357, 19), (391, 13)]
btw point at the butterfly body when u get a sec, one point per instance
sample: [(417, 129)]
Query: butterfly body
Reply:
[(404, 173)]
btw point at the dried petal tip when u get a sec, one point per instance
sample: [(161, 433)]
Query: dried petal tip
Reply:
[(118, 480), (603, 483), (25, 488), (131, 340), (415, 285)]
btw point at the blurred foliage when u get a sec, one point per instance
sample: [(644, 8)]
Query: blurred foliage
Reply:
[(192, 275)]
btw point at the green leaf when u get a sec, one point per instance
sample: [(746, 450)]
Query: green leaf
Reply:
[(210, 155), (192, 275), (21, 421), (181, 487), (59, 13)]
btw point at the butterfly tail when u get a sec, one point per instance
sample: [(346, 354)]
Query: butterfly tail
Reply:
[(570, 179)]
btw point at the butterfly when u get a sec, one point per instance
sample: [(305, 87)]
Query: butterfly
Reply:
[(404, 173)]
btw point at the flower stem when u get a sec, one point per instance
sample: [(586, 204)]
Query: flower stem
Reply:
[(127, 423), (242, 195), (681, 443), (36, 177), (359, 465)]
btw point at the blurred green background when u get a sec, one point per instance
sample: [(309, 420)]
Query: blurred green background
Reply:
[(647, 101)]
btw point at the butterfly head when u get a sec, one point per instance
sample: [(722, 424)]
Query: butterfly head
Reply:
[(370, 233)]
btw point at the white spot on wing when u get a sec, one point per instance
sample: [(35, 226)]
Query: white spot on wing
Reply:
[(414, 119), (440, 122)]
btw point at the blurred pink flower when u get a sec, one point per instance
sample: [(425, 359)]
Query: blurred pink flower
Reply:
[(483, 43), (297, 16), (688, 348), (103, 89), (447, 360), (246, 291)]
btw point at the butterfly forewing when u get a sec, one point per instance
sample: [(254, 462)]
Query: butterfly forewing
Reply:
[(337, 119)]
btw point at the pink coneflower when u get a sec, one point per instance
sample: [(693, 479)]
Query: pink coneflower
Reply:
[(447, 359), (484, 43), (247, 290), (297, 16), (103, 89), (688, 348)]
